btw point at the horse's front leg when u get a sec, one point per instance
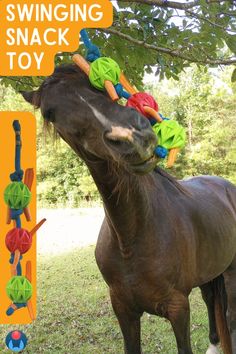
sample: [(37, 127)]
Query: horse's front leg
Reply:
[(129, 323), (178, 313)]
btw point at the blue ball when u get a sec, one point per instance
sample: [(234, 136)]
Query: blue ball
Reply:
[(161, 152)]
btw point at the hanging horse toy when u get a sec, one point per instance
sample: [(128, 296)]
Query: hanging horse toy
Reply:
[(19, 290), (105, 74), (17, 196)]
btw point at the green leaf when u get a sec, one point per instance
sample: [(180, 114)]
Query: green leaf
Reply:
[(233, 77), (35, 80), (231, 43)]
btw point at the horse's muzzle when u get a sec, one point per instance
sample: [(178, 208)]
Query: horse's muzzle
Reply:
[(133, 147)]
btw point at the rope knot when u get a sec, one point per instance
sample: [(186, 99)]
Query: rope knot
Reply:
[(93, 53), (15, 213), (11, 260), (17, 176), (121, 92)]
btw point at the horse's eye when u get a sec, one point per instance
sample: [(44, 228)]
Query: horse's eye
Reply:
[(49, 115)]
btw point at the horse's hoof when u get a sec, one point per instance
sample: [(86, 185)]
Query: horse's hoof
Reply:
[(212, 349)]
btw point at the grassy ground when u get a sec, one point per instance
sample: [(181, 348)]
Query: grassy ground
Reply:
[(75, 315)]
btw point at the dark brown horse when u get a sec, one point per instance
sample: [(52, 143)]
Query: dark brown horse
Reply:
[(160, 238)]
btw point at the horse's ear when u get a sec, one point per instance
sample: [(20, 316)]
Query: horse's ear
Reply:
[(32, 97)]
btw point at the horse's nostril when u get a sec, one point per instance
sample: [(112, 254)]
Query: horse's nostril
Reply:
[(118, 146), (114, 142)]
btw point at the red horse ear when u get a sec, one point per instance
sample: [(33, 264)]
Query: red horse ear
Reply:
[(32, 97)]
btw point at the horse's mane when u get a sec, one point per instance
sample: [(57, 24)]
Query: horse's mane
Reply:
[(65, 71), (173, 180), (68, 72)]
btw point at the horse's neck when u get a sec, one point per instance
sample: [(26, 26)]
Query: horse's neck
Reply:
[(126, 201)]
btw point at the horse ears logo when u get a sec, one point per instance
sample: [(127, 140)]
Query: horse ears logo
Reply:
[(16, 341), (33, 32)]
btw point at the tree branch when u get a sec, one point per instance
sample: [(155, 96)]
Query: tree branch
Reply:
[(171, 52), (202, 18), (163, 3), (172, 4)]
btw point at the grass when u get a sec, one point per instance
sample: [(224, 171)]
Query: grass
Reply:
[(75, 315)]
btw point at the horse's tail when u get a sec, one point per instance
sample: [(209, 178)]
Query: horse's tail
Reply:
[(220, 314)]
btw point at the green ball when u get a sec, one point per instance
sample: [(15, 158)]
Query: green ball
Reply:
[(19, 289), (103, 69), (170, 134), (17, 195)]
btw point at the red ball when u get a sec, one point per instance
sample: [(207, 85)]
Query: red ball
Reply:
[(141, 99), (16, 335), (18, 239)]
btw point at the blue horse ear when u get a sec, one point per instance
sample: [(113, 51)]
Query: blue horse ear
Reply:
[(31, 97)]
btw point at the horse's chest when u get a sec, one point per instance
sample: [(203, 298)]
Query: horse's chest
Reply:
[(144, 294), (141, 287), (143, 279)]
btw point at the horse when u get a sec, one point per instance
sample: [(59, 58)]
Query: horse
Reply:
[(160, 237)]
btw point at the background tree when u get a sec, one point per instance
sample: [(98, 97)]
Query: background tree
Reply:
[(204, 102), (167, 35)]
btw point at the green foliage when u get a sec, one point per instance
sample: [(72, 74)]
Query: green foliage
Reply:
[(233, 77), (62, 177), (146, 36), (208, 114), (10, 101)]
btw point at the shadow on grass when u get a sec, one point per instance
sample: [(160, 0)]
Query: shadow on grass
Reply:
[(75, 315)]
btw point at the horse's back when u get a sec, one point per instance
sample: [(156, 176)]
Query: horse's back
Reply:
[(217, 187)]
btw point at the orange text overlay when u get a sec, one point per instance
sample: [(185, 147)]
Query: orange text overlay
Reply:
[(32, 32)]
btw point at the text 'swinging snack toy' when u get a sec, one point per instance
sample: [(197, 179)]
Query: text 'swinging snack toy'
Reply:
[(33, 32)]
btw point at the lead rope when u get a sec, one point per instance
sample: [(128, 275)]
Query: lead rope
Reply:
[(93, 51), (17, 176)]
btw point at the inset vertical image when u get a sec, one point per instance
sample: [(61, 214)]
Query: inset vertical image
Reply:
[(18, 217)]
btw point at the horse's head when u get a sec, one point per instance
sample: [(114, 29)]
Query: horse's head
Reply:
[(92, 124)]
